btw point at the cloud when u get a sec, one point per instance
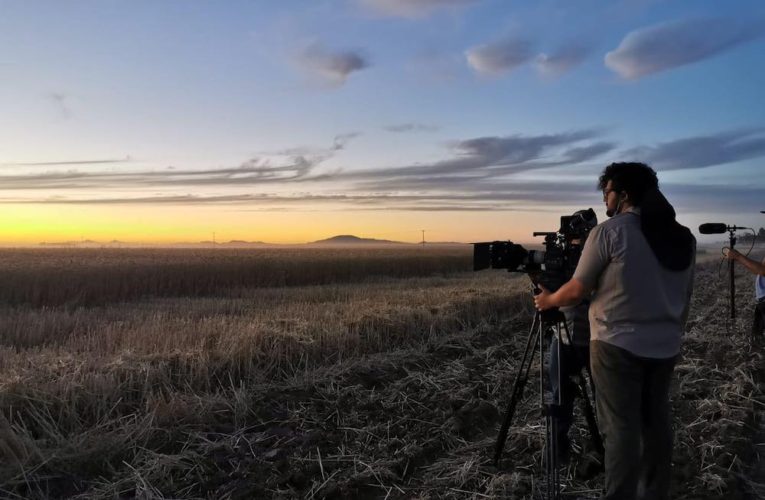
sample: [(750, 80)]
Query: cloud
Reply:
[(331, 67), (586, 153), (341, 140), (472, 196), (61, 105), (67, 162), (669, 45), (474, 177), (704, 151), (411, 8), (410, 127), (562, 60), (484, 200), (476, 174), (260, 170), (499, 57)]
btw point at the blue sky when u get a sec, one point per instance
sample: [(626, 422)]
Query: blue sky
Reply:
[(291, 121)]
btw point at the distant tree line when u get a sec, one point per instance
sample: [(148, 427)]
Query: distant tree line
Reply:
[(750, 236)]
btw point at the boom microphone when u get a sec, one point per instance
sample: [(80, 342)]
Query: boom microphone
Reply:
[(713, 228)]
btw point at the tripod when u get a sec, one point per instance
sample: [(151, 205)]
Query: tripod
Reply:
[(551, 407)]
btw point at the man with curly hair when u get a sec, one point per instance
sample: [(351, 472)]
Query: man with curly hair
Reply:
[(637, 267)]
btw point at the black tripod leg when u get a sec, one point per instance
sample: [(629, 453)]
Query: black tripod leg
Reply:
[(552, 478), (521, 377), (551, 466), (589, 415)]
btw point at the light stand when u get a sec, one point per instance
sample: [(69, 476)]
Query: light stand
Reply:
[(732, 243)]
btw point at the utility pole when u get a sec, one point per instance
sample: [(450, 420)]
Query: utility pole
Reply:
[(423, 238), (213, 238)]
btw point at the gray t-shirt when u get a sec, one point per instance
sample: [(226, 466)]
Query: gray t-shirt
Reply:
[(637, 304)]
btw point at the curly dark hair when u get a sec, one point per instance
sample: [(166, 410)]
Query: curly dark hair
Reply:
[(633, 178)]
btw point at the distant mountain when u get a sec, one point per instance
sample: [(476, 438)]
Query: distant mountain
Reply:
[(243, 243), (231, 243), (349, 239), (72, 243)]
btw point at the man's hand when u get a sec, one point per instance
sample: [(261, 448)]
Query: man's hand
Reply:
[(543, 300), (731, 254)]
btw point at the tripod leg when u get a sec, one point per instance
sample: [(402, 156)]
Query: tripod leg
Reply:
[(552, 410), (521, 377), (589, 415)]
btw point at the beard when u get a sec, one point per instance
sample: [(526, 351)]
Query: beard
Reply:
[(613, 211)]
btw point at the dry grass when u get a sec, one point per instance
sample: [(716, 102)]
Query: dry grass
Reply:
[(367, 386), (88, 277)]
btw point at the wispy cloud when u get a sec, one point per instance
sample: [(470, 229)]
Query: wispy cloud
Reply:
[(669, 45), (411, 8), (410, 127), (483, 200), (563, 59), (541, 196), (475, 177), (57, 163), (499, 57), (583, 154), (481, 173), (477, 158), (333, 67), (704, 151), (342, 140), (60, 104), (288, 167)]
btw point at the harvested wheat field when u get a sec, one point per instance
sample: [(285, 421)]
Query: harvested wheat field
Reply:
[(320, 374)]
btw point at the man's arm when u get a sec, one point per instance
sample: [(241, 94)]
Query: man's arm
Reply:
[(571, 293), (753, 266)]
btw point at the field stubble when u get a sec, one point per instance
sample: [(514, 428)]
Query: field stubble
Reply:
[(385, 381)]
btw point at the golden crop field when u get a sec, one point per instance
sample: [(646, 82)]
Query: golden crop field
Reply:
[(344, 373)]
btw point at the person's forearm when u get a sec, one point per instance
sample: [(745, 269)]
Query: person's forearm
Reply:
[(754, 266), (570, 294)]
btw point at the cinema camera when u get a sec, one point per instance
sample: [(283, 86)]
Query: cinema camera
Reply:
[(551, 267)]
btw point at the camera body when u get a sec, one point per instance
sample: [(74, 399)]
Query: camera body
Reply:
[(551, 267)]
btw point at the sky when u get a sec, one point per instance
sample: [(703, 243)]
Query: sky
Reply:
[(287, 122)]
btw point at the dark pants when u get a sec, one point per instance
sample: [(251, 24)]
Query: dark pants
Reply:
[(758, 323), (572, 360), (634, 417)]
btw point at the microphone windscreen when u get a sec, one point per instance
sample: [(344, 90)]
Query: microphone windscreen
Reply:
[(713, 228)]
